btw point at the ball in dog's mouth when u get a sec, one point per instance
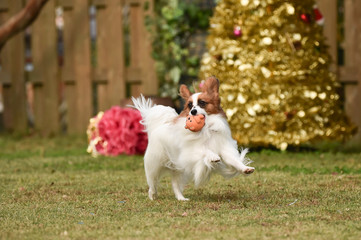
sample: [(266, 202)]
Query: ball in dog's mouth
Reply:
[(195, 123)]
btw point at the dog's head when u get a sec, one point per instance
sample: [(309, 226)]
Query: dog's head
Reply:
[(205, 102)]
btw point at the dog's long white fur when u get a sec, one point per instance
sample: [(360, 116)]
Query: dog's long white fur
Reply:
[(184, 154)]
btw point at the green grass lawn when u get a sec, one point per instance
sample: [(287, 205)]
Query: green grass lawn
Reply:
[(52, 189)]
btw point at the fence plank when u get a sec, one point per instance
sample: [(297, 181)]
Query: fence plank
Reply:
[(140, 50), (348, 72), (351, 72), (350, 33), (45, 75), (110, 54), (77, 67), (12, 74), (134, 75), (150, 81), (99, 3), (357, 21), (4, 5), (66, 4), (329, 12), (67, 72)]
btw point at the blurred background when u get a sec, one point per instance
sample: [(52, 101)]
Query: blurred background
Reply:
[(81, 57)]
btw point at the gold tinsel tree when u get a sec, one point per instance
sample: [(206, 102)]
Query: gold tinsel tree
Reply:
[(273, 65)]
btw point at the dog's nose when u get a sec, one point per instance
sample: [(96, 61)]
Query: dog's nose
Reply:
[(194, 112)]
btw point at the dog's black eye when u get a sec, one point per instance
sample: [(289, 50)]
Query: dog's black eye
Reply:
[(202, 103), (190, 105)]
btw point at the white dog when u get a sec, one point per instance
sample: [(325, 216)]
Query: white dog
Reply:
[(185, 154)]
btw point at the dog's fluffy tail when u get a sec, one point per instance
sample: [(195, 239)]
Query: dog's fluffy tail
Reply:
[(143, 105), (153, 115)]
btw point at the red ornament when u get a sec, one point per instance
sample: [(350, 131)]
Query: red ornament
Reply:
[(237, 31), (306, 17), (318, 15)]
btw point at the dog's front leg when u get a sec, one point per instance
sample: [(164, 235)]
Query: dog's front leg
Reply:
[(210, 157), (178, 186)]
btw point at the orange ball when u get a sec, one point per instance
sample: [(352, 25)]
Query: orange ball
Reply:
[(195, 123)]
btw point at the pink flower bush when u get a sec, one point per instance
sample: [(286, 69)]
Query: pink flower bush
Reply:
[(117, 131)]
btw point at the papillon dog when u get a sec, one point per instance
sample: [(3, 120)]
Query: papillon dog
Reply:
[(188, 155)]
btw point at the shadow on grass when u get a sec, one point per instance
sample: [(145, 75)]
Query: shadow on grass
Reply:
[(224, 196)]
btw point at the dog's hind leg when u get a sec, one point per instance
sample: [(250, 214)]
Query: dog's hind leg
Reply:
[(178, 186), (202, 172), (232, 157), (152, 183), (153, 168)]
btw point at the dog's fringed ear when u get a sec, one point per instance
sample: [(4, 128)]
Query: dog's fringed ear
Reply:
[(184, 92), (211, 85), (195, 87)]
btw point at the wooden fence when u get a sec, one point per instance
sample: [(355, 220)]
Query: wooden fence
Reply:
[(78, 78), (350, 72), (111, 75)]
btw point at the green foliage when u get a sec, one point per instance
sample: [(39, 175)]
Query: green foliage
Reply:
[(171, 28), (53, 189)]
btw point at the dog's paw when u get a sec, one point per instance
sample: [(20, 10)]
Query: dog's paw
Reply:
[(152, 195), (182, 199), (212, 157), (248, 170)]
